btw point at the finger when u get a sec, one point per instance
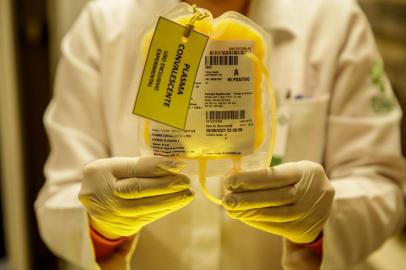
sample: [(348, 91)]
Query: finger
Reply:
[(150, 217), (128, 225), (133, 188), (154, 166), (281, 229), (113, 229), (304, 206), (261, 199), (274, 214), (172, 201), (298, 231), (267, 178)]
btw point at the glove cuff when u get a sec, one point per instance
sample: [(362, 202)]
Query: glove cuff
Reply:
[(317, 245), (103, 246)]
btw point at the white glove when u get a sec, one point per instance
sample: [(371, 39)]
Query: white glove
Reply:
[(122, 195), (292, 200)]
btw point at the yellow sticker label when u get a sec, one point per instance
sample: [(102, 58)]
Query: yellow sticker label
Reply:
[(169, 74)]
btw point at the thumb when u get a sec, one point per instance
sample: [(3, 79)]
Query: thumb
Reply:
[(153, 166)]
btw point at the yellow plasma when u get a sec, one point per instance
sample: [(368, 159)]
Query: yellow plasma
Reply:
[(230, 29)]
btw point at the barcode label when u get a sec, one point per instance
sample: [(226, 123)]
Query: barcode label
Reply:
[(240, 51), (225, 115), (216, 60)]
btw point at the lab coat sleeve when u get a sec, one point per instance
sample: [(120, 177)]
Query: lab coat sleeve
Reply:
[(362, 159), (77, 135)]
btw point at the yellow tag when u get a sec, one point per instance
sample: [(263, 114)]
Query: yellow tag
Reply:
[(169, 74)]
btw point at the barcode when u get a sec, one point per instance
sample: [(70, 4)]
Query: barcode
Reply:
[(225, 115), (231, 52), (216, 60)]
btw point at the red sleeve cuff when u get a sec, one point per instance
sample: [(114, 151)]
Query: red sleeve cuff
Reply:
[(316, 246), (103, 246)]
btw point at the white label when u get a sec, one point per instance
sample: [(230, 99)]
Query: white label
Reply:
[(220, 119)]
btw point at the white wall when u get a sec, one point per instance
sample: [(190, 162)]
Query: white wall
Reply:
[(12, 184)]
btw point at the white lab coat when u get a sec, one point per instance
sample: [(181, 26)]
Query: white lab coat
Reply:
[(322, 49)]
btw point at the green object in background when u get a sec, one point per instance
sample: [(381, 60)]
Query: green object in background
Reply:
[(276, 160), (169, 74), (381, 103), (376, 76)]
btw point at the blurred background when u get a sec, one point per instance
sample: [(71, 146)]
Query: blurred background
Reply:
[(30, 33)]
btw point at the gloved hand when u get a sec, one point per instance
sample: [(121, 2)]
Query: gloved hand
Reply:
[(291, 200), (122, 195)]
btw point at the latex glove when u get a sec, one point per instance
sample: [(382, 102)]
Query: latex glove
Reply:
[(292, 200), (122, 195)]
